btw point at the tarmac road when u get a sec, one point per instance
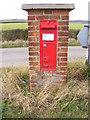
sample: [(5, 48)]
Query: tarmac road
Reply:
[(19, 56)]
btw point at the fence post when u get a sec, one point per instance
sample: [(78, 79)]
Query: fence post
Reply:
[(88, 62), (89, 47)]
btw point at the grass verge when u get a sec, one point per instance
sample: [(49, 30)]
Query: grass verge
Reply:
[(14, 44), (73, 42), (23, 43), (69, 101)]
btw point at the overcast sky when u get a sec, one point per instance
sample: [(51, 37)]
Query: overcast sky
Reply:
[(11, 9)]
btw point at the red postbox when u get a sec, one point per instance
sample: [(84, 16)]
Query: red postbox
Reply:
[(48, 43)]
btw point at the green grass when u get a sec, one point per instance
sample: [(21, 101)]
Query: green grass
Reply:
[(9, 26), (69, 101), (73, 42)]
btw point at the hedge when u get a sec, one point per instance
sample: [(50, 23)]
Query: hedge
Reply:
[(15, 34), (73, 33), (23, 34)]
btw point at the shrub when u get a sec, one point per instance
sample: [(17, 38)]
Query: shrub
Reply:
[(73, 33), (14, 34)]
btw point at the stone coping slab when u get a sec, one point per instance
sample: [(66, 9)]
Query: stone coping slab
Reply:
[(48, 6)]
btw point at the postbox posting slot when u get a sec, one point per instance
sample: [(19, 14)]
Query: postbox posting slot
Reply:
[(48, 28)]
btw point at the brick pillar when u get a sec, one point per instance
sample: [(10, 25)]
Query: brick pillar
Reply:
[(62, 17)]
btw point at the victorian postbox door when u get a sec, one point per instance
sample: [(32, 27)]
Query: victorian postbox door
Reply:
[(48, 42)]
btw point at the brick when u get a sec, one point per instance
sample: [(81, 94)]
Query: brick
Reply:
[(32, 23), (33, 48), (59, 59), (63, 59), (31, 73), (32, 58), (59, 27), (63, 39), (60, 68), (31, 39), (34, 63), (34, 68), (62, 73), (65, 17), (63, 68), (33, 43), (41, 17), (64, 28), (63, 23), (33, 53), (37, 39), (37, 58), (56, 17), (35, 12), (47, 11), (63, 44), (60, 12), (33, 34), (62, 54), (62, 33), (62, 64), (64, 49), (59, 49), (31, 17), (37, 28), (31, 28)]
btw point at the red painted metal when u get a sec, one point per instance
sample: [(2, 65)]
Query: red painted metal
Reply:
[(48, 43)]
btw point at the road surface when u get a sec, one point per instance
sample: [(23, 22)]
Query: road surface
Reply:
[(19, 56)]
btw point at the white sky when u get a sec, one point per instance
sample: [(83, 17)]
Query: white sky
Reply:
[(11, 9)]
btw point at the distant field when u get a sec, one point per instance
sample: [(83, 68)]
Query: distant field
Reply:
[(75, 25), (9, 26)]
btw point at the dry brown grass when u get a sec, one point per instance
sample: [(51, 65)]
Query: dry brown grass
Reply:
[(47, 100)]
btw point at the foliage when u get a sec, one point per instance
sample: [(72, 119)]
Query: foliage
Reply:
[(22, 34), (14, 35), (73, 33)]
